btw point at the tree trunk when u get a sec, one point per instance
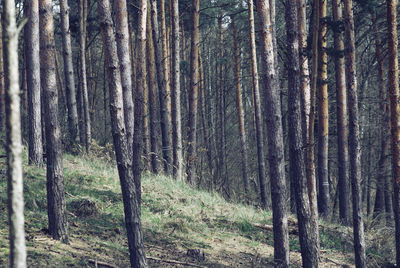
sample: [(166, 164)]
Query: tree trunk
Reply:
[(31, 37), (13, 135), (275, 138), (176, 95), (307, 235), (2, 86), (354, 136), (239, 104), (130, 193), (393, 76), (341, 103), (56, 205), (152, 85), (193, 95), (69, 72)]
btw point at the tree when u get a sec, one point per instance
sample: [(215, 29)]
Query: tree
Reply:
[(130, 193), (70, 90), (393, 76), (56, 204), (257, 110), (31, 41), (14, 143), (193, 94), (176, 95), (354, 135), (341, 103), (275, 137)]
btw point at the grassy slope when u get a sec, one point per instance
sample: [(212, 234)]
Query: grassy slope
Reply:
[(175, 218)]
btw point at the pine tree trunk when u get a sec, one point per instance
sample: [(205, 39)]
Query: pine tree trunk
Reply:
[(341, 103), (31, 40), (69, 72), (14, 140), (393, 77), (2, 85), (130, 191), (275, 138), (56, 204), (176, 95), (354, 136)]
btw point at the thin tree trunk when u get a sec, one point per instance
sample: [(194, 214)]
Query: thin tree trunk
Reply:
[(146, 118), (239, 104), (341, 102), (354, 136), (14, 142), (56, 204), (393, 76), (122, 37), (69, 72), (275, 138), (2, 86), (33, 81), (176, 95)]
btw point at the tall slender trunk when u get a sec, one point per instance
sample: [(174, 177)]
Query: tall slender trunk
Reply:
[(323, 115), (2, 86), (146, 118), (176, 95), (162, 71), (130, 191), (341, 103), (354, 135), (393, 76), (257, 110), (122, 38), (193, 94), (14, 140), (275, 138), (239, 104), (307, 235), (82, 70), (56, 204), (69, 72), (31, 37), (152, 85)]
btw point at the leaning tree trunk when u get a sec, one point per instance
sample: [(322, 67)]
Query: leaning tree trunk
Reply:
[(123, 48), (275, 138), (341, 103), (307, 234), (32, 56), (82, 71), (130, 192), (69, 72), (14, 142), (193, 94), (176, 95), (323, 115), (354, 136), (56, 205), (239, 104), (393, 77)]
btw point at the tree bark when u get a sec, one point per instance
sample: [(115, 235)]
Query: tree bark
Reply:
[(341, 103), (69, 72), (2, 84), (56, 204), (354, 136), (275, 138), (393, 76), (31, 40), (130, 193), (176, 95), (307, 234), (14, 140)]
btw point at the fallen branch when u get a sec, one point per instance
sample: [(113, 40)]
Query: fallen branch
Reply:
[(95, 262), (270, 228), (175, 262)]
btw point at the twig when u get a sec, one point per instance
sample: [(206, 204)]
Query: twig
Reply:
[(96, 262), (175, 262)]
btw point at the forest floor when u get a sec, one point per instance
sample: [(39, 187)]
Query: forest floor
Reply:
[(176, 220)]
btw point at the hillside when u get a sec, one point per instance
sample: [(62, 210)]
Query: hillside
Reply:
[(176, 218)]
